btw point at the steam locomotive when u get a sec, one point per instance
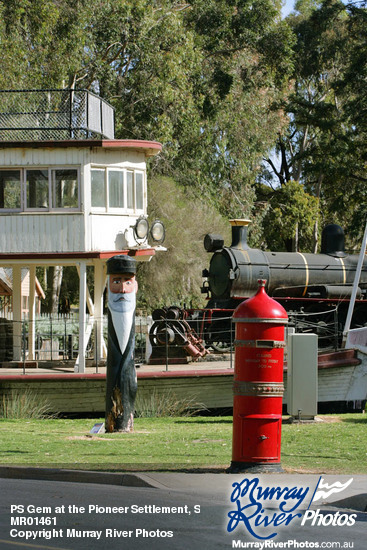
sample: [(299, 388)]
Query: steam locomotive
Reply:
[(315, 290)]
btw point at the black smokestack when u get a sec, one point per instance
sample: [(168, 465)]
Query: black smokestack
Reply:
[(239, 234)]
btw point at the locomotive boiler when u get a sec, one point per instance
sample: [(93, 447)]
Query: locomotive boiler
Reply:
[(235, 270)]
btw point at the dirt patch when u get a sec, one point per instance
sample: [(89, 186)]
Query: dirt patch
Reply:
[(317, 420), (328, 419), (89, 437), (208, 441)]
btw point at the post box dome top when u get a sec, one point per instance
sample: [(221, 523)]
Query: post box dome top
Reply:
[(260, 308)]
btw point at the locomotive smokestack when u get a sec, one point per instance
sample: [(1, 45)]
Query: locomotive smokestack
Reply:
[(239, 234)]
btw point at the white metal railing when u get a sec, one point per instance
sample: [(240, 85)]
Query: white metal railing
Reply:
[(41, 115)]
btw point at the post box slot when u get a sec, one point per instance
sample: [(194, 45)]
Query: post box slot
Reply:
[(266, 343)]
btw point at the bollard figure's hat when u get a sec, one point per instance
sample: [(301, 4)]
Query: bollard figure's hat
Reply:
[(121, 264)]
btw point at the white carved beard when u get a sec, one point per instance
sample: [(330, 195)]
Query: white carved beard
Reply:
[(122, 309)]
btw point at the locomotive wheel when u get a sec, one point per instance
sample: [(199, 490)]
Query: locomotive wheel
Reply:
[(218, 336), (221, 347), (359, 318)]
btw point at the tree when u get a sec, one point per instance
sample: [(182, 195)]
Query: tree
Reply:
[(319, 148), (246, 60), (43, 42), (290, 218), (174, 277), (202, 78)]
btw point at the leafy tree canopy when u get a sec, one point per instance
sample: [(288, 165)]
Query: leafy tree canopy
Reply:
[(174, 277), (290, 217), (322, 145)]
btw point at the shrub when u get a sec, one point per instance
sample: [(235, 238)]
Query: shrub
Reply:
[(24, 405), (165, 404)]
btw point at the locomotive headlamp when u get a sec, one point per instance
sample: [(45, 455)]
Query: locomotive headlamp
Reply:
[(213, 242), (158, 232), (141, 228)]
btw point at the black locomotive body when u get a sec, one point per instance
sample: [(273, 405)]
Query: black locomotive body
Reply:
[(315, 289)]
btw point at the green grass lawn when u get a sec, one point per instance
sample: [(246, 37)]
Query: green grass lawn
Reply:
[(335, 445)]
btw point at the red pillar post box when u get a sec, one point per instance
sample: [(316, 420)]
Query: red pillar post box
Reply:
[(258, 383)]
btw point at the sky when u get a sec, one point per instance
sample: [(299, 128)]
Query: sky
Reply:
[(288, 7)]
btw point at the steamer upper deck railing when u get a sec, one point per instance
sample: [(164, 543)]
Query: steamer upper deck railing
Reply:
[(42, 115)]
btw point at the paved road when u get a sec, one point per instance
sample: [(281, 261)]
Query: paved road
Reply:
[(196, 518)]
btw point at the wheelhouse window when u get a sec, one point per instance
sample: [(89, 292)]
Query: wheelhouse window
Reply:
[(118, 189), (130, 190), (65, 188), (39, 189), (139, 191), (98, 189), (116, 198), (10, 189)]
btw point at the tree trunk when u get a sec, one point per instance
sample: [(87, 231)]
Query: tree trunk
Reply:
[(54, 280), (316, 225)]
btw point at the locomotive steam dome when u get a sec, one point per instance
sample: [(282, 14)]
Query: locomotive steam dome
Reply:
[(332, 240)]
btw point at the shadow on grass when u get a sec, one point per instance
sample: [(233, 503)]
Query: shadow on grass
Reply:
[(219, 420), (302, 455), (204, 421), (15, 452), (362, 420)]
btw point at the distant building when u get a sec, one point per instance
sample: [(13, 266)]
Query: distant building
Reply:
[(6, 292)]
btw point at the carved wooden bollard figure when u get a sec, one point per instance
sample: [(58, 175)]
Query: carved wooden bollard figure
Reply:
[(121, 381)]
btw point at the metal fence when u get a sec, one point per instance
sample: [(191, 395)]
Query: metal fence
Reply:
[(326, 325), (32, 115), (163, 342), (57, 337), (176, 338)]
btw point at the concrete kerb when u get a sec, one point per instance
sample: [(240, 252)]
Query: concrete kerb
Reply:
[(80, 476), (205, 484)]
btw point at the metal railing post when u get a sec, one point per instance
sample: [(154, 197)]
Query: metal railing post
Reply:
[(166, 345), (51, 335), (23, 345), (231, 344)]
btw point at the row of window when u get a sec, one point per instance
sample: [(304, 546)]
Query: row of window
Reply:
[(44, 189), (39, 189), (113, 188)]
